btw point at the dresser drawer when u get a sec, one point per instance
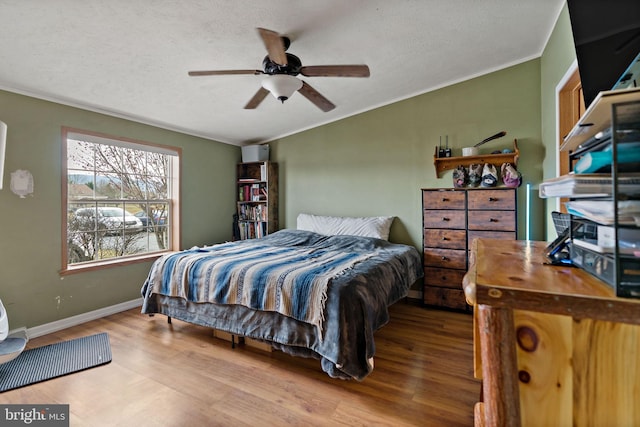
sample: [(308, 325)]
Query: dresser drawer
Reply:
[(442, 238), (444, 277), (492, 220), (440, 218), (492, 199), (444, 297), (438, 199), (448, 258), (451, 219), (502, 235)]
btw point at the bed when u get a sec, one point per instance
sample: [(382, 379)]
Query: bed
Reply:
[(307, 294)]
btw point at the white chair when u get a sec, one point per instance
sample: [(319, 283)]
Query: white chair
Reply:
[(10, 345)]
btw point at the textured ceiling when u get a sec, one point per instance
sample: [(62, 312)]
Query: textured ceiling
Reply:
[(130, 58)]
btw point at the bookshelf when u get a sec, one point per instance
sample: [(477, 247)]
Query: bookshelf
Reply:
[(256, 200)]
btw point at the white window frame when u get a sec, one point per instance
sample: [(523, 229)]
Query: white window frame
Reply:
[(173, 184)]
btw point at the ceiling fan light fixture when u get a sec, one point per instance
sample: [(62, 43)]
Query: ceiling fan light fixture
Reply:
[(282, 86)]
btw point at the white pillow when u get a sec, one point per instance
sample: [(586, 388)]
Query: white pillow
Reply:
[(374, 226)]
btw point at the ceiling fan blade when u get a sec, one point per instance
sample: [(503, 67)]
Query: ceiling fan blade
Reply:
[(314, 96), (224, 72), (275, 46), (335, 71), (257, 99)]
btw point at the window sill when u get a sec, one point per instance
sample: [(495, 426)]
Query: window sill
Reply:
[(104, 264)]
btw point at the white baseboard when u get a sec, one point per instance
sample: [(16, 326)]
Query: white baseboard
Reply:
[(58, 325)]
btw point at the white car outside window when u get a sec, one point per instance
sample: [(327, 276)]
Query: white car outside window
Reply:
[(113, 218)]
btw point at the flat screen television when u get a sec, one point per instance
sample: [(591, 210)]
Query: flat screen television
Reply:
[(606, 35)]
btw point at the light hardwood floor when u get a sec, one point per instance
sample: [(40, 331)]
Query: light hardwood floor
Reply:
[(179, 375)]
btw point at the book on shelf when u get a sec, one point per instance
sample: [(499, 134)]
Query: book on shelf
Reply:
[(263, 172), (252, 229), (588, 185), (252, 193), (249, 212), (255, 192)]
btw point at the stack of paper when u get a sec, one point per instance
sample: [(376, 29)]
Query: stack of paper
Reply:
[(588, 185), (602, 212)]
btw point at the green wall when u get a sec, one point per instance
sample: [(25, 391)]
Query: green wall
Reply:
[(375, 163), (31, 288), (558, 56)]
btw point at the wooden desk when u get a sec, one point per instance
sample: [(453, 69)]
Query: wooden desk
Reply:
[(553, 344)]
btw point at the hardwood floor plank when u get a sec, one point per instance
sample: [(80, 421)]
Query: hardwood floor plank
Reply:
[(180, 375)]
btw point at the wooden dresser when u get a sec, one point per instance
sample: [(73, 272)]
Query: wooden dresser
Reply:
[(451, 219), (553, 345)]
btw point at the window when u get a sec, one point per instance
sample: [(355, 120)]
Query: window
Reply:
[(120, 200)]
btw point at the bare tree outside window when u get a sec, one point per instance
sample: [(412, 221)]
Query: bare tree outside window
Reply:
[(118, 199)]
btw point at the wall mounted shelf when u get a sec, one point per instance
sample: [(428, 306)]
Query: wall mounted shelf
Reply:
[(448, 163)]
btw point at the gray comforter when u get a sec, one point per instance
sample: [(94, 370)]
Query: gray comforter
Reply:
[(355, 307)]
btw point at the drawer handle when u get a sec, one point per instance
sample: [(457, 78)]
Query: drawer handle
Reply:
[(445, 218), (445, 238), (443, 278), (444, 199), (444, 258), (493, 199), (493, 220)]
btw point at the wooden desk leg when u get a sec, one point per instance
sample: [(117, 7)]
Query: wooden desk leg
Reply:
[(499, 366)]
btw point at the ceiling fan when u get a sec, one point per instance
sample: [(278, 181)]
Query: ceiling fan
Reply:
[(282, 68)]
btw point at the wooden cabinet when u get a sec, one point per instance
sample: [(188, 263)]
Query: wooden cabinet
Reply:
[(257, 200), (553, 344), (451, 219)]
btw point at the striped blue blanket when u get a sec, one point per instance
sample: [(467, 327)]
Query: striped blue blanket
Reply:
[(289, 280), (365, 276)]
